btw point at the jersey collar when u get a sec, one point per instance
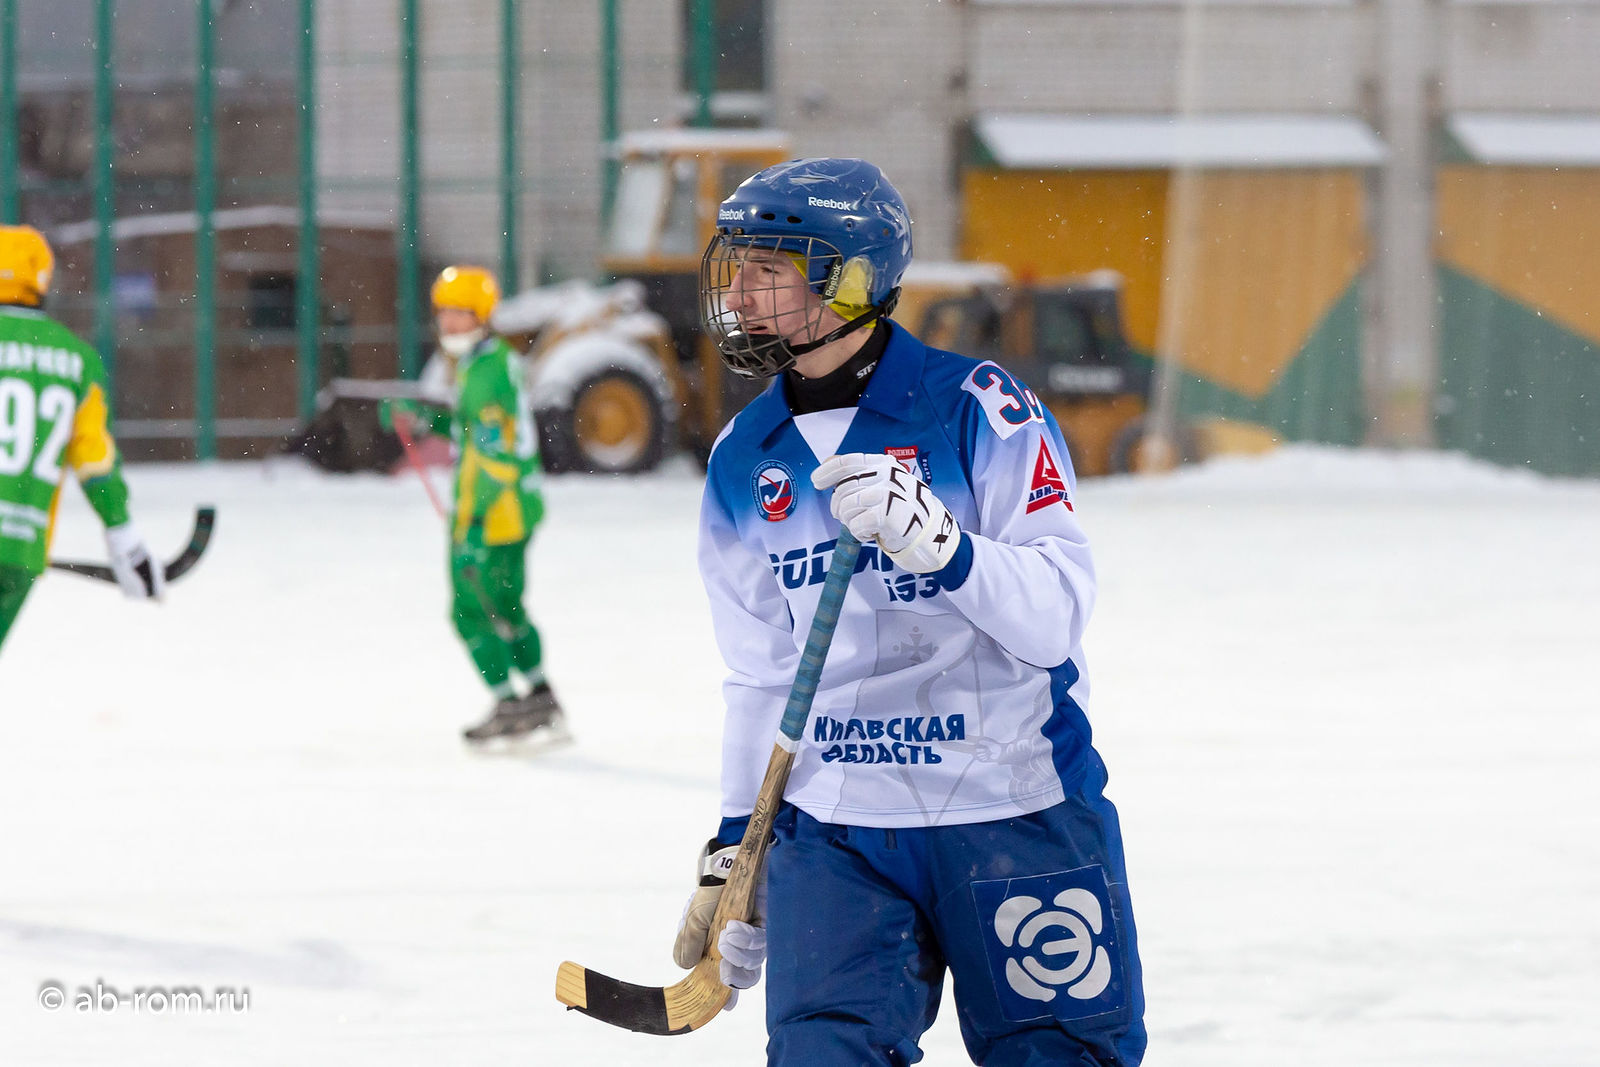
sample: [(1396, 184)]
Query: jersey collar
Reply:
[(892, 390)]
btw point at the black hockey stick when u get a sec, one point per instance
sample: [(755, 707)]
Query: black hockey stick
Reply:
[(691, 1003), (205, 519)]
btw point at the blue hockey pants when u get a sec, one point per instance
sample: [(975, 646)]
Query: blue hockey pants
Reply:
[(1029, 915)]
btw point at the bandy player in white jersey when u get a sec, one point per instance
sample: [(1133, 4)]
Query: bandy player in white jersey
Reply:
[(945, 810)]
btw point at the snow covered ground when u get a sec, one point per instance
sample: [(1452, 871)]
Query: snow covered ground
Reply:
[(1347, 699)]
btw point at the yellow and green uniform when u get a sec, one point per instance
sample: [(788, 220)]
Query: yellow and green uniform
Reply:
[(53, 417), (497, 505)]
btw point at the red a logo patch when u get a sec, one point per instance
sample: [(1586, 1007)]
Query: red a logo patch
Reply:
[(1048, 485)]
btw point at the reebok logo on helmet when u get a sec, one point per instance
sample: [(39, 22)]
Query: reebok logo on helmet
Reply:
[(838, 205)]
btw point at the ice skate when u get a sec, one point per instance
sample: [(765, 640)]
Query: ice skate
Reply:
[(530, 723), (506, 717)]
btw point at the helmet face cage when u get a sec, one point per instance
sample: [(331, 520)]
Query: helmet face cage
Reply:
[(847, 230), (726, 285)]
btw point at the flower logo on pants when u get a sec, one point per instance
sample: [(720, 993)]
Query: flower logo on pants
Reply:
[(1064, 935), (1054, 944)]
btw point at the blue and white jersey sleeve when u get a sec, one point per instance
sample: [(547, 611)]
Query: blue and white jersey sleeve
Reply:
[(1031, 583), (755, 634)]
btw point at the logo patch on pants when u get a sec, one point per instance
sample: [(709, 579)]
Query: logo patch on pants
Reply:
[(1052, 944)]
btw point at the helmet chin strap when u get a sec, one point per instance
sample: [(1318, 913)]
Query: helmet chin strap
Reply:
[(774, 355), (841, 331)]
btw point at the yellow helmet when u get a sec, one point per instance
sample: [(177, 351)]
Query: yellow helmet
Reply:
[(467, 288), (26, 265)]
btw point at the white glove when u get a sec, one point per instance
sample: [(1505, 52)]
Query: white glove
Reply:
[(743, 945), (879, 500), (138, 574)]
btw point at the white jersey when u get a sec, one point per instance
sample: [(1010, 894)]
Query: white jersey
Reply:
[(946, 698)]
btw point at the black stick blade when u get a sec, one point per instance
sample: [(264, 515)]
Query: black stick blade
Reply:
[(662, 1011), (205, 520)]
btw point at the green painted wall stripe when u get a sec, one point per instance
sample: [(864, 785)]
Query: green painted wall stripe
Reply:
[(1514, 386), (1318, 396)]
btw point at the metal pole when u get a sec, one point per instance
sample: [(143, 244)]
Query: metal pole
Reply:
[(308, 278), (510, 87), (105, 204), (10, 211), (1405, 355), (610, 73), (705, 59), (1180, 270), (205, 241), (409, 273)]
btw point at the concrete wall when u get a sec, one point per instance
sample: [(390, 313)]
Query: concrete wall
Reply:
[(1159, 57), (894, 81), (1520, 56), (885, 81), (459, 113)]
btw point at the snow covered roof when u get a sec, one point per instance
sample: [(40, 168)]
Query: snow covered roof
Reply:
[(681, 139), (1528, 140), (240, 218), (1126, 142)]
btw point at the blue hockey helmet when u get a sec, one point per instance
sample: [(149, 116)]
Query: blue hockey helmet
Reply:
[(847, 230)]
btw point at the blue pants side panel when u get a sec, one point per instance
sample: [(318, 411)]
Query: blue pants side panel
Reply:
[(1030, 915)]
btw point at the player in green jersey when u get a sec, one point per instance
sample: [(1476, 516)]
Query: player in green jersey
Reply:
[(53, 416), (497, 502)]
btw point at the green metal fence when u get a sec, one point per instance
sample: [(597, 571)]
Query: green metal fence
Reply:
[(197, 304)]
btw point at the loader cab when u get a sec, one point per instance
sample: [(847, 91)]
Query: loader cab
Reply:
[(669, 186), (1062, 338), (1078, 344)]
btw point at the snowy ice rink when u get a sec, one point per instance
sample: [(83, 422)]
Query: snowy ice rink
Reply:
[(1348, 702)]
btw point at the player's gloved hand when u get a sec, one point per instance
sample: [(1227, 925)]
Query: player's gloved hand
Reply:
[(743, 945), (879, 500), (393, 414), (139, 575)]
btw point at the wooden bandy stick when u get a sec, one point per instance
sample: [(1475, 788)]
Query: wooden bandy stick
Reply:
[(696, 1000)]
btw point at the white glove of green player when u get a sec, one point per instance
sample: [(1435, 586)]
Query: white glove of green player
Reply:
[(139, 575), (879, 500), (743, 945)]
